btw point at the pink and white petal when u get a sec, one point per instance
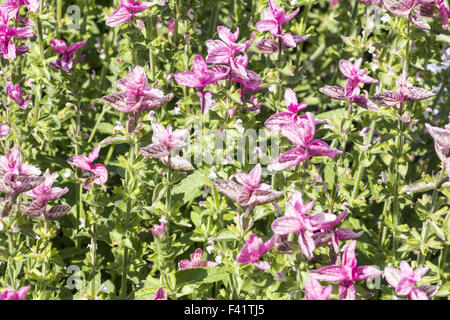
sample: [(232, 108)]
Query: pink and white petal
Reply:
[(267, 46), (333, 92), (59, 46), (119, 16), (347, 234), (184, 264), (199, 65), (290, 16), (320, 220), (417, 294), (76, 46), (290, 98), (287, 39), (29, 169), (331, 273), (306, 243), (420, 273), (24, 32), (263, 265), (94, 153), (404, 287), (387, 98), (57, 193), (100, 172), (346, 68), (22, 292), (276, 121), (347, 292), (393, 276), (188, 79), (366, 272), (255, 175), (80, 162), (286, 225), (349, 255), (267, 25)]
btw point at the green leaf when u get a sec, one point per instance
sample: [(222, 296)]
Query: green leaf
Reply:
[(201, 275), (444, 291)]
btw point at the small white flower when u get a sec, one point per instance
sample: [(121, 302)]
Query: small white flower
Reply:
[(118, 126), (82, 223), (212, 173), (238, 126), (386, 18)]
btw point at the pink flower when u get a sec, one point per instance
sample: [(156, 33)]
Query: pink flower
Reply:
[(328, 235), (314, 291), (137, 95), (8, 49), (196, 261), (254, 248), (171, 26), (66, 62), (4, 130), (98, 172), (15, 93), (202, 76), (12, 7), (415, 10), (444, 12), (160, 294), (301, 134), (126, 10), (295, 221), (45, 192), (406, 92), (249, 192), (159, 230), (441, 138), (346, 273), (11, 163), (404, 279), (17, 177), (239, 69), (11, 294), (276, 121), (224, 50), (274, 18), (165, 141), (354, 73), (352, 91)]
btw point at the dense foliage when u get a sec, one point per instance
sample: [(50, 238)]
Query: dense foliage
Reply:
[(200, 149)]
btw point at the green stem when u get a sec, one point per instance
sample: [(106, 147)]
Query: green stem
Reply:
[(100, 118), (426, 227), (150, 36), (399, 142), (129, 189), (441, 263), (58, 15), (303, 23), (360, 166)]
